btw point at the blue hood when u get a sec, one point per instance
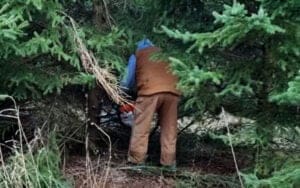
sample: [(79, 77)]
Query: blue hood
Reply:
[(145, 43)]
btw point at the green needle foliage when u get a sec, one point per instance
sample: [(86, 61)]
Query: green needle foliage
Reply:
[(249, 63), (273, 30), (38, 54)]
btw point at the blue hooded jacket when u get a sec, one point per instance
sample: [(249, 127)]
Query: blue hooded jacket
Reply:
[(128, 81)]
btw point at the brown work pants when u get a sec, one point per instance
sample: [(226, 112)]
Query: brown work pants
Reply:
[(165, 104)]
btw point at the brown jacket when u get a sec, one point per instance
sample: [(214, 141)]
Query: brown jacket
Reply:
[(152, 75)]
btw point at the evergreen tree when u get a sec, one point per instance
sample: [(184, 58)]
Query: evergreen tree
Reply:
[(249, 63), (263, 46), (38, 53)]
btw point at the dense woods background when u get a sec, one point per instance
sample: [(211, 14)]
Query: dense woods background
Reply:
[(240, 55)]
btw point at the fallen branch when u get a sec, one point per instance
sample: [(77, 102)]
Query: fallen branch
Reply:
[(225, 119), (103, 76)]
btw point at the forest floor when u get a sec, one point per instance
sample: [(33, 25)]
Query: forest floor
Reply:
[(76, 170), (211, 168), (201, 162)]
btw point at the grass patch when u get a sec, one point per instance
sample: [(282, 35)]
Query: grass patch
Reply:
[(38, 170)]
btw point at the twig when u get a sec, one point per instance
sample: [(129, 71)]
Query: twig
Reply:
[(186, 127), (88, 164), (8, 116), (110, 149), (225, 118), (108, 16), (70, 137), (7, 110)]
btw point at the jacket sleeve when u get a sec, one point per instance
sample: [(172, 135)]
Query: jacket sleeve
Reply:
[(128, 81)]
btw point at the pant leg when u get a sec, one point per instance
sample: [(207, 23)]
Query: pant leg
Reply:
[(144, 110), (168, 124)]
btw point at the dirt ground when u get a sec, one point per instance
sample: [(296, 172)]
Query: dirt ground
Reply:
[(200, 162), (92, 172), (117, 178)]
